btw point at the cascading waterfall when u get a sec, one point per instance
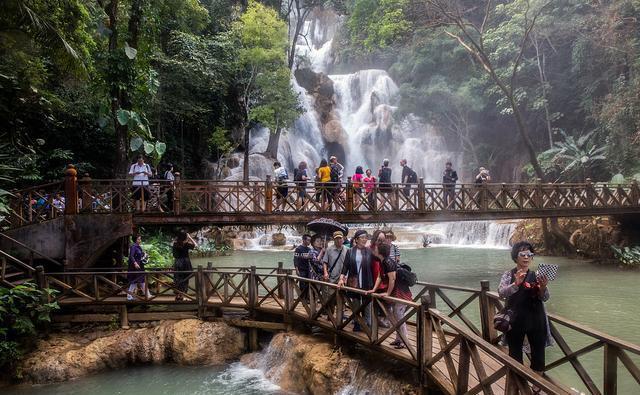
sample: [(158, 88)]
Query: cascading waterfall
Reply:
[(365, 108)]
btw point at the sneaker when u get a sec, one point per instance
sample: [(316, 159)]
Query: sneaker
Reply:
[(129, 298)]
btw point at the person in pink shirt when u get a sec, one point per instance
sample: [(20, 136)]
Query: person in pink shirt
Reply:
[(357, 180), (369, 188)]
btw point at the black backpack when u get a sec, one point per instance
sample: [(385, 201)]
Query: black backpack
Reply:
[(385, 175), (413, 177), (335, 173), (297, 174), (405, 275)]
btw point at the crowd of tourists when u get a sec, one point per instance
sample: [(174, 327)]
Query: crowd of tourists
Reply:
[(370, 263)]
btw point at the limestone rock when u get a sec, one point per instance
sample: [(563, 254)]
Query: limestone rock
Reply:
[(278, 239), (311, 365), (187, 342)]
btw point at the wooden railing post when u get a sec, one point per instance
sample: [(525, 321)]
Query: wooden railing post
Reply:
[(463, 367), (124, 317), (422, 195), (208, 285), (590, 192), (253, 289), (177, 194), (539, 200), (279, 280), (39, 277), (424, 338), (484, 197), (503, 196), (349, 205), (635, 193), (610, 370), (85, 193), (199, 286), (71, 190), (486, 312), (268, 196)]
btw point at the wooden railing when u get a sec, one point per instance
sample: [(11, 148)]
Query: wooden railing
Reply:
[(450, 329), (199, 197)]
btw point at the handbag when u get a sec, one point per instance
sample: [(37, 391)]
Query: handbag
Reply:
[(502, 321)]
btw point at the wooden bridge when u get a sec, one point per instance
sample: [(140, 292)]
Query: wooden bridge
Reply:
[(261, 203), (451, 341)]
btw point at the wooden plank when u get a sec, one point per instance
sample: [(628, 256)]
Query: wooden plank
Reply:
[(84, 317), (268, 326), (632, 368)]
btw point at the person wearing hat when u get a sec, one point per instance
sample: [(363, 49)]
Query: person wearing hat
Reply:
[(357, 272), (395, 251), (333, 259)]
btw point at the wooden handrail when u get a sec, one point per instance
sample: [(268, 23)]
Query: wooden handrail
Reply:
[(26, 247), (18, 262)]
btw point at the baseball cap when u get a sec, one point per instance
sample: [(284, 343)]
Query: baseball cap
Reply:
[(338, 234)]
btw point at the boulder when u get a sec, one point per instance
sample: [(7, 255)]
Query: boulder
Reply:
[(278, 239), (188, 342)]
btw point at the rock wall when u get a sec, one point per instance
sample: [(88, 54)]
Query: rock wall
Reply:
[(311, 365), (187, 342)]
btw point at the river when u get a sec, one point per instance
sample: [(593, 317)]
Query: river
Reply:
[(594, 295)]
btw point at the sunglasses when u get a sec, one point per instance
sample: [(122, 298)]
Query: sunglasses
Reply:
[(526, 254)]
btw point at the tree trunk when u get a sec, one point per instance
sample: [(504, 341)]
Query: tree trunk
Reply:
[(560, 237), (274, 142)]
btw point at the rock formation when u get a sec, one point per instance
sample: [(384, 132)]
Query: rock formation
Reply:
[(187, 342), (311, 365)]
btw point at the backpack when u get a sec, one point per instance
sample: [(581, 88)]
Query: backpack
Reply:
[(297, 174), (385, 175), (412, 178), (335, 173), (405, 275)]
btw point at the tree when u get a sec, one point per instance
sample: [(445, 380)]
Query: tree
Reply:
[(261, 60), (482, 38)]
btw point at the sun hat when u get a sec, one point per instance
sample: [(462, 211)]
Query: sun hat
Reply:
[(338, 234)]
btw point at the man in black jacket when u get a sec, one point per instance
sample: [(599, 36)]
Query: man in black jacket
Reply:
[(302, 257), (357, 272), (449, 179)]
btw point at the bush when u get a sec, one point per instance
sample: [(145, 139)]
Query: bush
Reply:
[(627, 256), (23, 311)]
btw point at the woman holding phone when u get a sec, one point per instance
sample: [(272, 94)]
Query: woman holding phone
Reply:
[(525, 294)]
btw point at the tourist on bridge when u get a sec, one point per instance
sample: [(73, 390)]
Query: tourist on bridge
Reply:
[(384, 184), (182, 263), (323, 178), (483, 176), (135, 275), (449, 179), (357, 273), (395, 251), (170, 177), (357, 182), (317, 254), (282, 190), (526, 293), (409, 177), (337, 175), (302, 257), (333, 259), (369, 182), (300, 177), (141, 173)]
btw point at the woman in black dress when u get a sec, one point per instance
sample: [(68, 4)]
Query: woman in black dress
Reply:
[(182, 264), (135, 271)]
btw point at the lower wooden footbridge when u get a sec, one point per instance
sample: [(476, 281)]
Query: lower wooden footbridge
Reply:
[(450, 340)]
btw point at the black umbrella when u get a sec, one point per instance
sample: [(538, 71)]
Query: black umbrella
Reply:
[(326, 226)]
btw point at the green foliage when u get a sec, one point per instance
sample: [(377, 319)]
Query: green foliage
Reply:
[(627, 256), (378, 23), (22, 312), (575, 157)]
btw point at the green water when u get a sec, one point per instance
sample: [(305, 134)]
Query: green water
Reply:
[(601, 297)]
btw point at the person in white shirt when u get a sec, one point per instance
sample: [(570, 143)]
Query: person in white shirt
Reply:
[(140, 172), (282, 189)]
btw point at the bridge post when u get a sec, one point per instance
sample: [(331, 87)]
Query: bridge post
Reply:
[(39, 277), (422, 196), (635, 193), (268, 196), (503, 196), (71, 190), (288, 297), (463, 367), (177, 194), (484, 197), (124, 317), (199, 287), (253, 289), (590, 192), (424, 338), (85, 193), (610, 370), (486, 312), (280, 282), (349, 205), (539, 201)]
